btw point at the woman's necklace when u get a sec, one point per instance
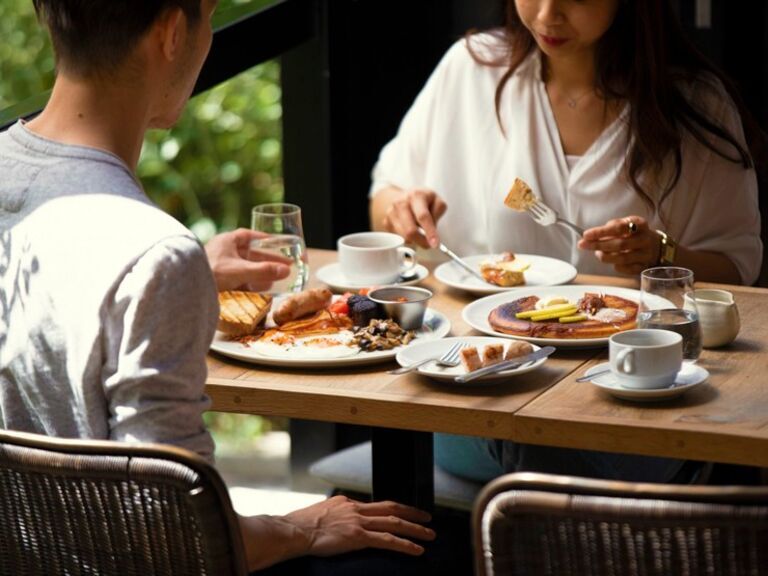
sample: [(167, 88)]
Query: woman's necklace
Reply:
[(572, 102)]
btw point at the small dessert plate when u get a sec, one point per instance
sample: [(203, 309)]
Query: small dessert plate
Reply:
[(421, 350), (332, 275), (690, 376)]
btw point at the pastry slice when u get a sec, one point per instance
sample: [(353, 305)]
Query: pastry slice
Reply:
[(520, 196), (470, 359), (516, 349), (492, 354)]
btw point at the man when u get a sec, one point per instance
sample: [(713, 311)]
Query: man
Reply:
[(108, 305)]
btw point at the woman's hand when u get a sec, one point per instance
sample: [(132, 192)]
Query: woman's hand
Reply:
[(406, 211), (627, 243), (236, 267)]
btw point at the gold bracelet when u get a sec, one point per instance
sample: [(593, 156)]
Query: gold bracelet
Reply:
[(667, 249)]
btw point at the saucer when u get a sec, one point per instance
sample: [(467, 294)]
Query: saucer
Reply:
[(690, 376), (332, 275)]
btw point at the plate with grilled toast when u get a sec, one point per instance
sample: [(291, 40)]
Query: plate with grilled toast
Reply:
[(504, 272), (307, 330)]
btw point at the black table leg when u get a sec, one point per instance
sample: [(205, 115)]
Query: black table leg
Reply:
[(403, 467)]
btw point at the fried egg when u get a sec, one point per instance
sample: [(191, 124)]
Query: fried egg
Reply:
[(338, 345)]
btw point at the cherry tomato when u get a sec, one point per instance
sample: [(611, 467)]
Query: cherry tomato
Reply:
[(339, 307)]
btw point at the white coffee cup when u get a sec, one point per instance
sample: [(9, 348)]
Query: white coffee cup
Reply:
[(646, 358), (374, 257)]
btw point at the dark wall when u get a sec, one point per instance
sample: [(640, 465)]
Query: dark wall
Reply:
[(365, 67)]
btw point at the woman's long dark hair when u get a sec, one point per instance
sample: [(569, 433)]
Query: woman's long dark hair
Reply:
[(645, 59)]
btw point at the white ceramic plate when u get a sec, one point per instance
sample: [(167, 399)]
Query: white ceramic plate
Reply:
[(435, 326), (544, 271), (332, 275), (689, 377), (429, 348), (476, 313)]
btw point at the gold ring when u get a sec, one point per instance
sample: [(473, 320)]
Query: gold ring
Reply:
[(631, 226)]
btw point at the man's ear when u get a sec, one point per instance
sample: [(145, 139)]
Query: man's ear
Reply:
[(171, 30)]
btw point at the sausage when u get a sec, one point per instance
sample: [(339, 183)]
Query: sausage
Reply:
[(302, 304)]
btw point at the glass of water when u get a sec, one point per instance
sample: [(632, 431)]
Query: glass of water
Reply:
[(286, 239), (663, 305)]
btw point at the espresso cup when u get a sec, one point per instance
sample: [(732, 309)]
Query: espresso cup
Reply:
[(374, 257), (646, 358)]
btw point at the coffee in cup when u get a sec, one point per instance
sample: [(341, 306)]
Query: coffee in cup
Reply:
[(370, 258), (646, 358)]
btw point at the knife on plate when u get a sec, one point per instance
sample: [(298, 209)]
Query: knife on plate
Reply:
[(456, 258), (506, 365)]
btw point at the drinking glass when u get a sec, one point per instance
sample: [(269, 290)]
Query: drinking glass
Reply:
[(286, 238), (663, 305)]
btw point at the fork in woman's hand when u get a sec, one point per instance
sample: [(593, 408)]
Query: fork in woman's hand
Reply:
[(546, 216)]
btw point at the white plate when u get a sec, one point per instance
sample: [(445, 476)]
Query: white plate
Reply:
[(332, 275), (435, 326), (476, 313), (689, 377), (544, 271), (429, 348)]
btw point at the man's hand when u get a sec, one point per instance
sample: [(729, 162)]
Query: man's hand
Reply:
[(334, 526), (340, 524), (237, 267)]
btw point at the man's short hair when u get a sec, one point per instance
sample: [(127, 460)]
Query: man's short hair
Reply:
[(93, 36)]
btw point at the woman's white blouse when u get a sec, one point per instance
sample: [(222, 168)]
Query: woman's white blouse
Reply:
[(450, 141)]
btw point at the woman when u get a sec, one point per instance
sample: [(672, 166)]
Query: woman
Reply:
[(617, 123), (614, 120)]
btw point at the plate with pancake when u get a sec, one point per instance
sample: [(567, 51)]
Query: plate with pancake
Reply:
[(612, 309), (536, 271), (322, 350)]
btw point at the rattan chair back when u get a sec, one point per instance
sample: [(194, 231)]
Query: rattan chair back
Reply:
[(539, 524), (104, 508)]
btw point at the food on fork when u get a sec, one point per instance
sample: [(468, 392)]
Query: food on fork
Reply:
[(240, 313), (470, 359), (520, 196), (516, 349), (301, 304), (506, 271), (593, 316), (492, 354)]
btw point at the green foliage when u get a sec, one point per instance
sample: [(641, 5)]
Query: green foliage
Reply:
[(224, 155), (26, 58)]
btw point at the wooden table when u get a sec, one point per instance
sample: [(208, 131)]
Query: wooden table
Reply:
[(726, 421)]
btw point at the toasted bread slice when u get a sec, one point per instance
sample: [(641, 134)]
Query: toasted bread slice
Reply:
[(240, 313), (520, 196)]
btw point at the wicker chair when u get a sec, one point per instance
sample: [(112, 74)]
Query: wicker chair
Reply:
[(535, 524), (102, 508)]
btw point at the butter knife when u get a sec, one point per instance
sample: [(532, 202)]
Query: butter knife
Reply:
[(506, 365), (456, 258)]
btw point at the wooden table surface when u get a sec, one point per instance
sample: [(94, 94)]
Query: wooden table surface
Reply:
[(725, 421)]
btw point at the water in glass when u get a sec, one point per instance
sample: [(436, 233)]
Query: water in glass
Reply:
[(663, 306), (684, 322), (287, 246), (286, 239)]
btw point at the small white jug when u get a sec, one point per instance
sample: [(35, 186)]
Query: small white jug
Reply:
[(718, 315)]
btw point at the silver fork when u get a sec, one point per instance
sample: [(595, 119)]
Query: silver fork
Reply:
[(546, 216), (449, 358)]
